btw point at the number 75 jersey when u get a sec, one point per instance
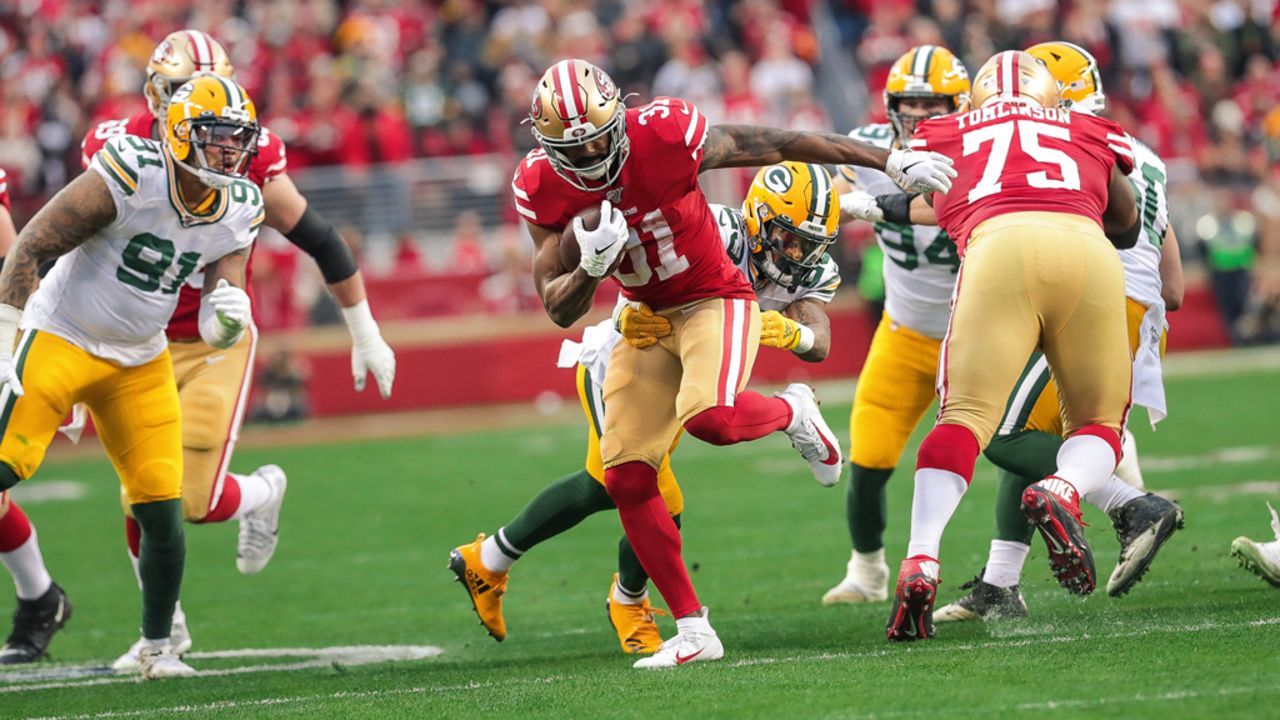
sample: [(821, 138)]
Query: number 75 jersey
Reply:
[(113, 295)]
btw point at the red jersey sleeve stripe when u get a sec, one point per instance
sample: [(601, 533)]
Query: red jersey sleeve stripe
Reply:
[(531, 215), (518, 192)]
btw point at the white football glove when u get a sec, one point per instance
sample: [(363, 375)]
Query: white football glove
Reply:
[(232, 306), (861, 205), (369, 352), (920, 171), (9, 318), (600, 247)]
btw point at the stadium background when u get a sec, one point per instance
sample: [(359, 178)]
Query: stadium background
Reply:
[(402, 124)]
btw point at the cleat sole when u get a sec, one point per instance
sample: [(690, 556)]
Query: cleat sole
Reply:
[(459, 568), (1162, 532)]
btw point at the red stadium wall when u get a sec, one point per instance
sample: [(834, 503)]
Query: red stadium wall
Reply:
[(486, 360)]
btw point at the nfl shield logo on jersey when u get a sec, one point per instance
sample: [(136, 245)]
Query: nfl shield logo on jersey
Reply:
[(614, 196)]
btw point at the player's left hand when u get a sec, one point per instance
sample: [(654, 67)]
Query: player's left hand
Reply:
[(640, 326), (920, 171), (232, 306), (778, 330), (374, 355), (861, 205)]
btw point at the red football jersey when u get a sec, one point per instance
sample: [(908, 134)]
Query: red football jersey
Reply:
[(674, 255), (4, 189), (1014, 157), (267, 164)]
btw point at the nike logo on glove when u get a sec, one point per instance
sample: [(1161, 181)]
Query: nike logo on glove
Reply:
[(605, 249), (908, 167)]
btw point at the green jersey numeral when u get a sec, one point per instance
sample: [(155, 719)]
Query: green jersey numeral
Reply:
[(246, 191), (1151, 203), (900, 239), (147, 258)]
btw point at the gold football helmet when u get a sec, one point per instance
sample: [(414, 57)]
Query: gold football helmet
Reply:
[(1013, 74), (576, 108), (212, 120), (792, 216), (179, 57), (1076, 70), (927, 71)]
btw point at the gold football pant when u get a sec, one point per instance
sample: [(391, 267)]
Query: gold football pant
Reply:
[(593, 408), (894, 390), (213, 391), (135, 410), (1034, 403), (1037, 280), (704, 363)]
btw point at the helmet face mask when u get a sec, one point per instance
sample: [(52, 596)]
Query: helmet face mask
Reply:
[(918, 108), (787, 256), (222, 148), (579, 120)]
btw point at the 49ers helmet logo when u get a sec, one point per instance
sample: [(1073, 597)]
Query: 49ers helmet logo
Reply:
[(605, 85), (163, 52), (535, 107), (778, 179)]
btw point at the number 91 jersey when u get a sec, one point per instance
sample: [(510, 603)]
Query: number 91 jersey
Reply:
[(113, 295), (674, 255), (920, 274)]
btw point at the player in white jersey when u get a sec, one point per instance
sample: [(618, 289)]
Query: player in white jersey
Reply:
[(126, 235), (778, 240), (896, 385), (1026, 443)]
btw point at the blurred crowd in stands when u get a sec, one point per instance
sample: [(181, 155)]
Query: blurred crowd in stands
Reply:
[(363, 82)]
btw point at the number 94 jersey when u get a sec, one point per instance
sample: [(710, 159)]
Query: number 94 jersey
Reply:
[(114, 294), (922, 260)]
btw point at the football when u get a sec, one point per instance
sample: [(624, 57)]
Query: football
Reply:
[(570, 253)]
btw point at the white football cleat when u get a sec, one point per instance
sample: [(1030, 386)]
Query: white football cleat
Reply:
[(159, 662), (865, 580), (685, 647), (811, 436), (1261, 559), (259, 528), (179, 639)]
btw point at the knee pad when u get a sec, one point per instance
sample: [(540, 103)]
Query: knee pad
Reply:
[(949, 447), (631, 483), (154, 481)]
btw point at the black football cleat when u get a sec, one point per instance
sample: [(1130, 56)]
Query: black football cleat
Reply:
[(34, 623), (1142, 526), (984, 602)]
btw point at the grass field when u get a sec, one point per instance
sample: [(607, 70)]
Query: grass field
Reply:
[(368, 526)]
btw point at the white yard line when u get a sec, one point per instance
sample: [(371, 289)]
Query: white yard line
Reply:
[(931, 648)]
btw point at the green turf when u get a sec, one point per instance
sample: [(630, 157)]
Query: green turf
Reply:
[(368, 526)]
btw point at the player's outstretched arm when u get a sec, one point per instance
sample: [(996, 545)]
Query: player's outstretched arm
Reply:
[(225, 311), (74, 215), (289, 213), (752, 145), (1120, 221)]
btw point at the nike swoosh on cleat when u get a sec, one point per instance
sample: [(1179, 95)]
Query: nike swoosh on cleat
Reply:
[(682, 659), (833, 455)]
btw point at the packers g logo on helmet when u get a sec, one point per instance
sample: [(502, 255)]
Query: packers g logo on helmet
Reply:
[(179, 57), (792, 216), (212, 120), (576, 103), (927, 71), (1015, 75), (1076, 71)]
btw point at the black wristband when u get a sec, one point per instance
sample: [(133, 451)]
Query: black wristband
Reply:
[(896, 207), (319, 239)]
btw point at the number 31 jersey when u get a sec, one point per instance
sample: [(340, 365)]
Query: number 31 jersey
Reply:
[(674, 255), (920, 272), (113, 295)]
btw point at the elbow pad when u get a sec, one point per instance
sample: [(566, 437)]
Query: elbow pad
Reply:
[(896, 207), (318, 238), (1128, 238)]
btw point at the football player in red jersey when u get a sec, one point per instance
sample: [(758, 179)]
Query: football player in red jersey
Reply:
[(1040, 191), (641, 166), (43, 607), (214, 384)]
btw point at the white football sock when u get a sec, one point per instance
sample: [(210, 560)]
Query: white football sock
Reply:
[(1085, 461), (491, 555), (622, 596), (178, 615), (1004, 563), (255, 491), (869, 563), (26, 565), (937, 495), (137, 568), (1128, 469), (697, 622), (1112, 494)]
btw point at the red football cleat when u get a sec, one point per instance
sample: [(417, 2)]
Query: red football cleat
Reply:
[(1053, 507), (912, 614)]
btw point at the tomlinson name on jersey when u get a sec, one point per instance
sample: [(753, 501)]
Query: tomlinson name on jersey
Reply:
[(1004, 110)]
